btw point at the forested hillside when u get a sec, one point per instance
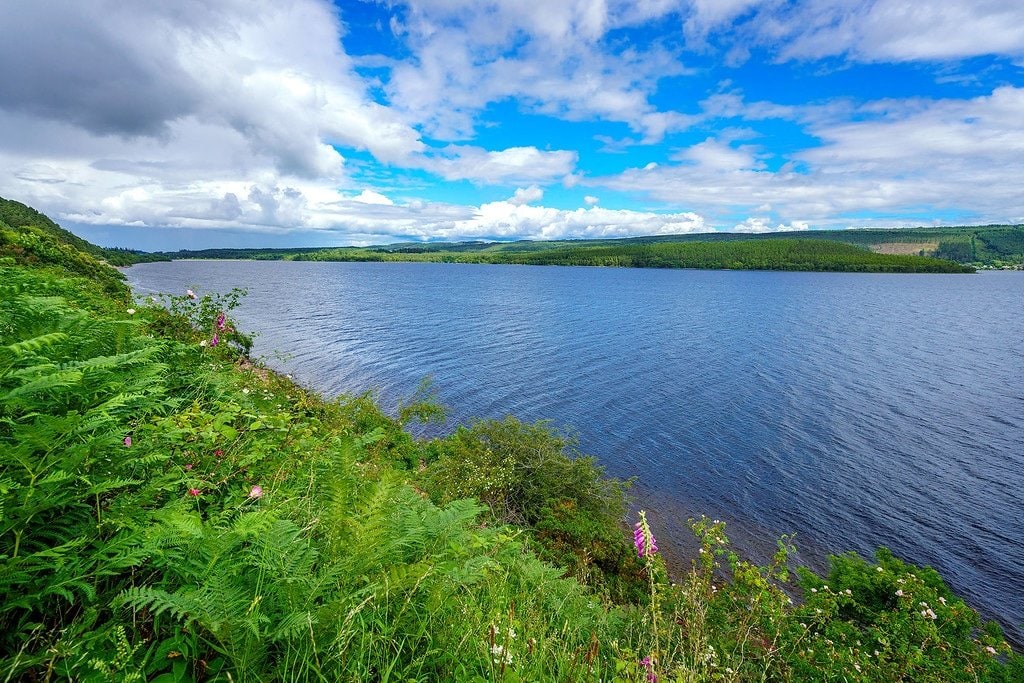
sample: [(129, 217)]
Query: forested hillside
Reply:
[(897, 250), (817, 255), (25, 233)]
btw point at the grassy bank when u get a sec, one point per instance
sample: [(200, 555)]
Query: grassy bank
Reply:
[(171, 511)]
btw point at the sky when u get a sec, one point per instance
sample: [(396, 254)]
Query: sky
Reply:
[(249, 123)]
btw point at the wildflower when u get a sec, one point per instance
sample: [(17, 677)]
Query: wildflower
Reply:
[(942, 600), (879, 569), (189, 466), (194, 493), (991, 650), (218, 453), (501, 655), (190, 294), (643, 539), (127, 442), (245, 390), (131, 311), (648, 666), (202, 343), (899, 593), (220, 321), (256, 492), (215, 339)]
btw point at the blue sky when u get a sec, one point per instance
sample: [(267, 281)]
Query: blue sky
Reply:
[(277, 123)]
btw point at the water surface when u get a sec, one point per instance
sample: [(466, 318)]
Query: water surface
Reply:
[(854, 410)]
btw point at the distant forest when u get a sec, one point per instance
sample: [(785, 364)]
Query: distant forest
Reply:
[(957, 249)]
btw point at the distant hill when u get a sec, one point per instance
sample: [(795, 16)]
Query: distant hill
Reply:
[(22, 219), (993, 246), (29, 238)]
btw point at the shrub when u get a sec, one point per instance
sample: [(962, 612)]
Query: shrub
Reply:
[(532, 476)]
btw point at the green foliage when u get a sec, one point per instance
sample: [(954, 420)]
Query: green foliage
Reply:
[(202, 320), (885, 621), (532, 476)]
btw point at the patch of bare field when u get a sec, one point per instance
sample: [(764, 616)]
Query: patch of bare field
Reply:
[(905, 248)]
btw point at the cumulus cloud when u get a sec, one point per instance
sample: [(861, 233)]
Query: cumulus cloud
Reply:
[(552, 57), (273, 73), (590, 200), (371, 197), (526, 195), (883, 157), (761, 224), (504, 220)]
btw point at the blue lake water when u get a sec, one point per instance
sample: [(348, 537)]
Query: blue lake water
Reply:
[(853, 410)]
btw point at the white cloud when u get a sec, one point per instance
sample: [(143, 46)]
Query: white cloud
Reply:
[(717, 155), (943, 154), (512, 165), (762, 224), (274, 73), (504, 220), (866, 30), (526, 195), (551, 57), (590, 200), (371, 197)]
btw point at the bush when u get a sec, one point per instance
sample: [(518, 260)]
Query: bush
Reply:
[(532, 476)]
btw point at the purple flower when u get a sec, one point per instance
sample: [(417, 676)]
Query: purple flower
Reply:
[(215, 340), (220, 321), (648, 666), (256, 492), (643, 539), (127, 442), (194, 493)]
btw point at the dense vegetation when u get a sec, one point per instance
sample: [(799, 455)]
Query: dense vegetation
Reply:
[(816, 255), (171, 511), (986, 246), (26, 234)]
